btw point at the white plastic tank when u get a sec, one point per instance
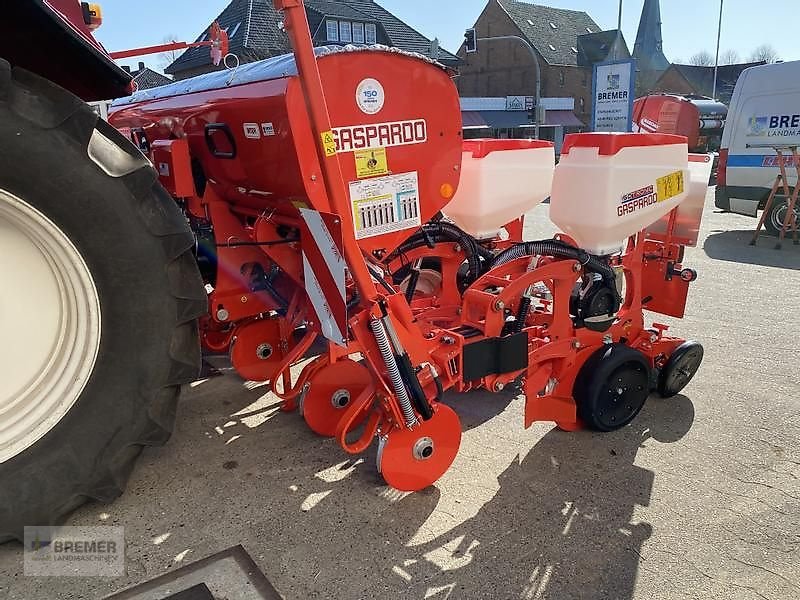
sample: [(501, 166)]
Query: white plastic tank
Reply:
[(609, 186), (501, 180)]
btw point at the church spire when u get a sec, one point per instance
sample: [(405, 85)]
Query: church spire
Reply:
[(648, 49)]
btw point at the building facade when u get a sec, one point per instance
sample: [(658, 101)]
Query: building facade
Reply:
[(253, 27), (506, 67)]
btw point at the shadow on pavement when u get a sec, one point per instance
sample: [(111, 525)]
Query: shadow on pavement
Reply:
[(734, 246), (562, 524)]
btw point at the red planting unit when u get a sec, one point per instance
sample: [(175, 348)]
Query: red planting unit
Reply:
[(318, 186)]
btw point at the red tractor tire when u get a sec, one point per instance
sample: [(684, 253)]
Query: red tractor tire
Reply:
[(90, 240)]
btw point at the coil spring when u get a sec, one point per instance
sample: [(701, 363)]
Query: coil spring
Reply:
[(400, 391)]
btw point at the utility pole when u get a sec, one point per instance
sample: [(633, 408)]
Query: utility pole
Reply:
[(527, 44), (716, 61), (619, 31)]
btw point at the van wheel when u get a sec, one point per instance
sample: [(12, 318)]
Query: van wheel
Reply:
[(777, 214)]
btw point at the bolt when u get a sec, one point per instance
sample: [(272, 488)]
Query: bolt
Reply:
[(313, 178), (264, 351), (244, 299), (446, 339), (223, 315), (576, 344), (457, 248), (498, 387), (499, 305), (577, 267)]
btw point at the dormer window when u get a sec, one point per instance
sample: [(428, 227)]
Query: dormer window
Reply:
[(371, 33), (345, 31), (333, 30), (358, 33)]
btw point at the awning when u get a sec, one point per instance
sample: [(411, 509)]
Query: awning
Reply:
[(566, 118), (510, 119), (472, 119), (504, 119)]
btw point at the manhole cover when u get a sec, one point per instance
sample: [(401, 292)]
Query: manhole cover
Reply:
[(230, 574)]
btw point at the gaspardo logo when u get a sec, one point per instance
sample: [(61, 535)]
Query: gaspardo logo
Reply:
[(370, 96)]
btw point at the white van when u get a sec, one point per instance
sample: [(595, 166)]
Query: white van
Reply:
[(764, 111)]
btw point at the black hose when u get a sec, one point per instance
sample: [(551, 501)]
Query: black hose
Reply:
[(441, 231), (558, 249)]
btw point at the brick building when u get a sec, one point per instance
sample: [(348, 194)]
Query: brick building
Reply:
[(699, 80), (505, 68)]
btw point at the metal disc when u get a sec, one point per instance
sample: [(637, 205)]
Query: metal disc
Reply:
[(412, 459), (332, 390)]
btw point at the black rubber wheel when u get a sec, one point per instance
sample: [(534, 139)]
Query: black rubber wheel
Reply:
[(680, 369), (612, 387), (101, 193), (777, 214)]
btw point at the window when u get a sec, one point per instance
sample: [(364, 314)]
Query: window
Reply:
[(233, 31), (358, 33), (574, 49), (553, 25), (333, 31), (582, 103), (553, 48), (345, 31), (371, 33), (588, 30), (562, 78)]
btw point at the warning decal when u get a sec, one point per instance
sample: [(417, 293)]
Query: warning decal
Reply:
[(385, 204), (669, 186), (328, 143), (370, 163)]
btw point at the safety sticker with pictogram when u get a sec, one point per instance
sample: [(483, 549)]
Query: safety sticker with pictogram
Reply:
[(328, 143)]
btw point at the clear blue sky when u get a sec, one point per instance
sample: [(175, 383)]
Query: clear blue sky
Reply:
[(688, 25)]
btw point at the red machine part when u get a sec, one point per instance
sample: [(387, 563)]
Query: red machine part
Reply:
[(697, 118), (415, 319)]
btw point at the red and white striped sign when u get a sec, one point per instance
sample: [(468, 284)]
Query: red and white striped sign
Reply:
[(324, 271)]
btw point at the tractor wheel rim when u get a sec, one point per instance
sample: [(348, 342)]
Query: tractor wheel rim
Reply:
[(50, 319)]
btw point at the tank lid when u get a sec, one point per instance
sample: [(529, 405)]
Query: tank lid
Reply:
[(608, 144), (482, 147)]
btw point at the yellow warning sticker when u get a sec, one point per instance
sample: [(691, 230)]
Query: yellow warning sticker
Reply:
[(669, 186), (328, 143), (371, 162)]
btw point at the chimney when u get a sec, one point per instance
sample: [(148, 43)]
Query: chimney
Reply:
[(141, 66), (127, 69)]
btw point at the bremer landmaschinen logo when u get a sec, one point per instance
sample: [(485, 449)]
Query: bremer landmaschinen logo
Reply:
[(74, 551)]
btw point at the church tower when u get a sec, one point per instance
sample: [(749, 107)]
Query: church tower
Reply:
[(649, 47)]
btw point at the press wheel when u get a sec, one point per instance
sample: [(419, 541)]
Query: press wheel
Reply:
[(612, 387), (680, 369)]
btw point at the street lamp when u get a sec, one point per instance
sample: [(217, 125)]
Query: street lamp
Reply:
[(716, 61), (527, 44)]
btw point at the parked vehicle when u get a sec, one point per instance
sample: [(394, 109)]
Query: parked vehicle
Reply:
[(764, 112), (699, 118)]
